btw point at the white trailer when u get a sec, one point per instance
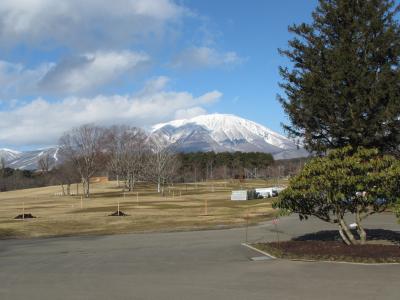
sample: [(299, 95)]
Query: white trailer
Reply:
[(270, 191), (265, 192)]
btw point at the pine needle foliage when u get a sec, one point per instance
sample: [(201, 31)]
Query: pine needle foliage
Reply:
[(342, 86)]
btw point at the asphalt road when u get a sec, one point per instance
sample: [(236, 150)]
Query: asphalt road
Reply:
[(185, 265)]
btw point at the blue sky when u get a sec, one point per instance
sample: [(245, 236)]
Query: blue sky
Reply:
[(138, 62)]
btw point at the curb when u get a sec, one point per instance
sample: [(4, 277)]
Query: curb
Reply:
[(343, 262), (319, 261), (258, 250)]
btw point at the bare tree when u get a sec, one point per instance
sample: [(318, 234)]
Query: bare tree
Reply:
[(84, 147), (66, 174), (44, 163), (162, 164), (128, 150)]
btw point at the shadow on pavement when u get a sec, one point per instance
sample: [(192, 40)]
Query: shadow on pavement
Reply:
[(333, 235)]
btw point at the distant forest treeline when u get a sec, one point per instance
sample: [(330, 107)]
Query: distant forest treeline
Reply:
[(198, 166), (11, 179), (210, 165)]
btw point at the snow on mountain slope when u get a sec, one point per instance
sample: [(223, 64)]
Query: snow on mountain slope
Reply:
[(222, 132), (215, 132), (9, 154), (29, 160)]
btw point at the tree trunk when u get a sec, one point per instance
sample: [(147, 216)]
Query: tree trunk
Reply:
[(83, 186), (360, 229), (68, 189), (87, 189), (131, 182), (126, 178), (346, 231), (343, 236)]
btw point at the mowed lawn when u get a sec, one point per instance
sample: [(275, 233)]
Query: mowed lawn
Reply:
[(183, 207)]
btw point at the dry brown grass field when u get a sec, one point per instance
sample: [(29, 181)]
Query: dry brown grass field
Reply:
[(192, 206)]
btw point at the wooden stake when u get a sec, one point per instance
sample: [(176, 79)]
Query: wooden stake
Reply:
[(137, 198), (81, 202), (247, 224), (118, 206), (23, 211), (205, 207)]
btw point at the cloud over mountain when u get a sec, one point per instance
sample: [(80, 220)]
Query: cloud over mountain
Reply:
[(42, 122)]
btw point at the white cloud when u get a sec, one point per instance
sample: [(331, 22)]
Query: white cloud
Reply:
[(84, 24), (74, 75), (16, 79), (190, 112), (155, 85), (205, 57), (42, 121), (90, 71)]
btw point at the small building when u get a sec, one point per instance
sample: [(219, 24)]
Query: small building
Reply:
[(240, 195)]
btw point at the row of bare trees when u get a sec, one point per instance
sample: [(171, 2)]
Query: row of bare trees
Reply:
[(125, 152)]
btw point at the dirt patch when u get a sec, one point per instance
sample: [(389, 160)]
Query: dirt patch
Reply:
[(118, 213), (332, 251), (24, 216)]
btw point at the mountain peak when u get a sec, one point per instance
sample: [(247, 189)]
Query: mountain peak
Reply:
[(209, 119), (224, 132)]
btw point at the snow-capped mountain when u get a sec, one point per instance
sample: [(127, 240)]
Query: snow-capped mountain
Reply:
[(223, 132), (29, 160), (214, 132), (9, 154)]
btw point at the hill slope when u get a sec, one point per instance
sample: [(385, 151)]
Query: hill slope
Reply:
[(8, 154)]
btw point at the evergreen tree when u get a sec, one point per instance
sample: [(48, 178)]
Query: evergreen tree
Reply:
[(343, 86)]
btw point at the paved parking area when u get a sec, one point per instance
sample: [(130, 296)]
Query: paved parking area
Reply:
[(185, 265)]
